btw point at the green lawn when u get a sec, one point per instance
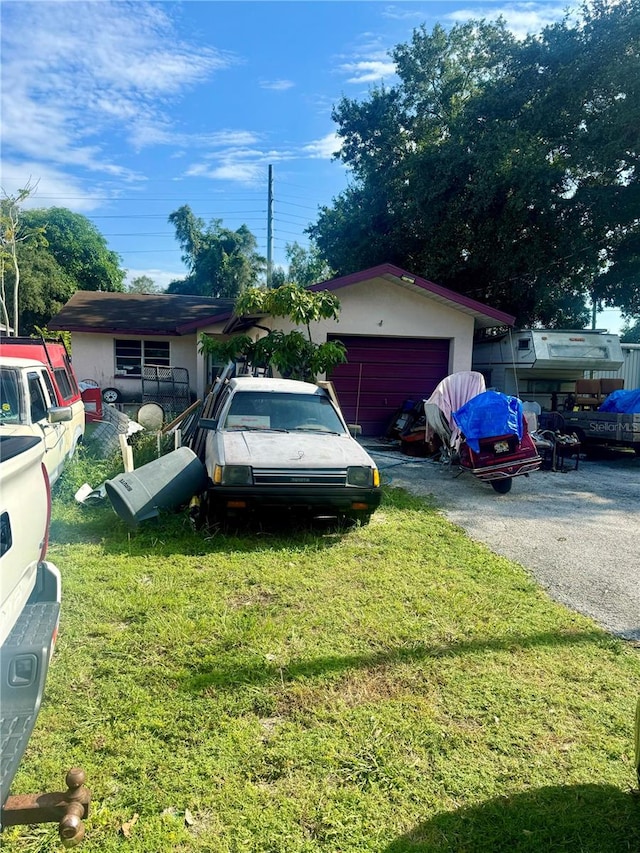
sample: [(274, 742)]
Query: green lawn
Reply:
[(389, 688)]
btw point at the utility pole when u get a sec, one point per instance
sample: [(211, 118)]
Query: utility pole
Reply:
[(270, 228)]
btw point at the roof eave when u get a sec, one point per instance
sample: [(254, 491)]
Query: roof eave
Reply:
[(483, 313)]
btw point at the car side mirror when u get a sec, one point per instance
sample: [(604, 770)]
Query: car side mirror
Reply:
[(58, 414), (208, 423)]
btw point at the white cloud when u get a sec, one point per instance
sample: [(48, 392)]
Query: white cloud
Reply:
[(248, 165), (324, 148), (368, 70), (54, 188), (406, 13), (522, 19), (277, 85), (244, 173), (368, 60), (233, 138), (74, 70), (232, 167)]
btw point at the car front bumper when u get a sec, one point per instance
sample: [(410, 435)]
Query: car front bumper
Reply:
[(345, 500)]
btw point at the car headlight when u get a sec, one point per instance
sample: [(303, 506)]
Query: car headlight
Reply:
[(362, 475), (233, 475)]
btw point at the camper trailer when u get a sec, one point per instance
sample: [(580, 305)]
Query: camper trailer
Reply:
[(542, 365)]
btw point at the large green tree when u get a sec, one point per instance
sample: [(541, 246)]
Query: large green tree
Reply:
[(67, 253), (505, 170), (79, 248), (44, 288), (221, 262)]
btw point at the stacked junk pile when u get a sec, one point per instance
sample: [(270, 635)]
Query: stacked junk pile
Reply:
[(485, 433), (174, 479)]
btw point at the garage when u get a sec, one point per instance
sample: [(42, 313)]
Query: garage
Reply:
[(382, 372)]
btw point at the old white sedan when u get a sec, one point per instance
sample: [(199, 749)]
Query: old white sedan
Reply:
[(280, 444)]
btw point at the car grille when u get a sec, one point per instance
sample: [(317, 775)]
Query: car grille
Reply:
[(299, 476)]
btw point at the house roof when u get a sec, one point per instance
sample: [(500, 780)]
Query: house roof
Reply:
[(139, 313), (175, 314), (484, 315)]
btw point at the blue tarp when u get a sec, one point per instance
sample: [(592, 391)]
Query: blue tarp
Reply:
[(489, 414), (623, 402)]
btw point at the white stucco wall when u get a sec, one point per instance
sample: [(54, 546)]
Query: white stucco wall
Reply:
[(381, 308), (373, 307), (93, 358)]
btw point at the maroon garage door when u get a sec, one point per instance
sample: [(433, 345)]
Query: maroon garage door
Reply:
[(381, 373)]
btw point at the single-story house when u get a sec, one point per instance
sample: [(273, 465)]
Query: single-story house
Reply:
[(403, 334)]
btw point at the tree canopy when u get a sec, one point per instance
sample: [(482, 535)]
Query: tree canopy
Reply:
[(221, 262), (505, 170), (293, 354), (68, 253), (78, 247), (142, 284), (305, 267)]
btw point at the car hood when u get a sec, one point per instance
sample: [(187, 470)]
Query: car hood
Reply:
[(292, 450)]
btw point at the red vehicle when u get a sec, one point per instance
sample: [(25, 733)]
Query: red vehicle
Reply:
[(500, 458), (39, 392), (54, 355), (483, 431)]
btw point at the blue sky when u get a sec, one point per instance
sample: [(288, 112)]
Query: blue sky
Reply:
[(124, 111)]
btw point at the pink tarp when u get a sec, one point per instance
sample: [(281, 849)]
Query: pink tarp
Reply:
[(450, 394)]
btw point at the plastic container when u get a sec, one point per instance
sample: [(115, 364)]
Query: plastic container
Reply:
[(164, 483), (92, 399)]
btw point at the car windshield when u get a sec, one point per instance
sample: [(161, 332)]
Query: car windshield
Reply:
[(281, 411)]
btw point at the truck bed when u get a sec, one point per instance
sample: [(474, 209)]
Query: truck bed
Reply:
[(621, 430)]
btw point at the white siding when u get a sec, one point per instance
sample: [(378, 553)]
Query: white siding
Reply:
[(630, 370)]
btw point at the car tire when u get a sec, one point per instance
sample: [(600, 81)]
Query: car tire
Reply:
[(502, 486), (111, 395)]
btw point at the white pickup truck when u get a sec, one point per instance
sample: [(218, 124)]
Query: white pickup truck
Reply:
[(29, 595), (28, 406)]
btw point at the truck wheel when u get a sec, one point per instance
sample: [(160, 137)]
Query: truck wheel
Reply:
[(111, 395), (502, 486)]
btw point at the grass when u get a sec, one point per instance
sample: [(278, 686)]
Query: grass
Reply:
[(389, 688)]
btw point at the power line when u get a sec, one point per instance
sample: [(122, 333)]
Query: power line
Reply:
[(160, 215)]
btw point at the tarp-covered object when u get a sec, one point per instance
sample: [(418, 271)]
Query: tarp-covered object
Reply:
[(450, 394), (622, 402), (490, 413)]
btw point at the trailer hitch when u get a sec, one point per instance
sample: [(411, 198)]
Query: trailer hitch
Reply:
[(70, 808)]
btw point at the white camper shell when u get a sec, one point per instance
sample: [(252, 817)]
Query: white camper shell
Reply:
[(543, 364)]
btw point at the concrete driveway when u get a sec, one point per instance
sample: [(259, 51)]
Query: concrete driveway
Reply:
[(577, 532)]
